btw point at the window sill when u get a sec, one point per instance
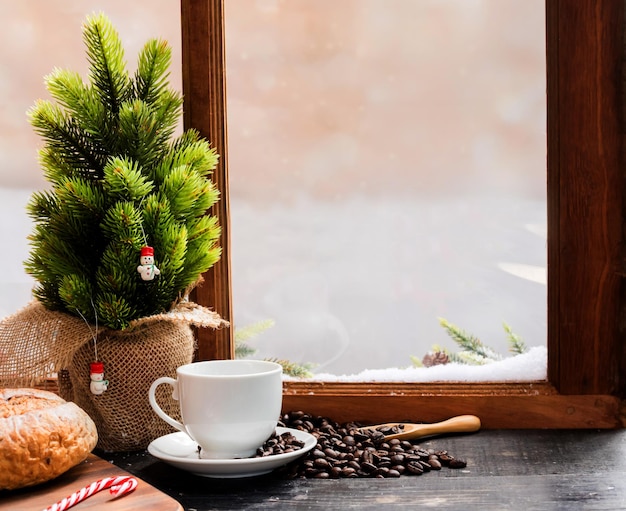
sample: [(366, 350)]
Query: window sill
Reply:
[(526, 405)]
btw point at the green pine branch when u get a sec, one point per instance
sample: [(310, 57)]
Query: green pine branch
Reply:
[(105, 55), (152, 71), (119, 180), (72, 145)]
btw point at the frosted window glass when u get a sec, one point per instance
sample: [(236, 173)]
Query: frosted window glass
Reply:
[(387, 168)]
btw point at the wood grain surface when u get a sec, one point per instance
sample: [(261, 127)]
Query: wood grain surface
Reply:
[(145, 497), (525, 470)]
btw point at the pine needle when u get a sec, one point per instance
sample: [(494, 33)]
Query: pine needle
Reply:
[(516, 344), (416, 361), (469, 358), (243, 350)]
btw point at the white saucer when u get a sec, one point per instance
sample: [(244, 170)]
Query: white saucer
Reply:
[(179, 450)]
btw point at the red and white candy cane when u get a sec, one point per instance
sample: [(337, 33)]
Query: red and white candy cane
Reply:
[(118, 486)]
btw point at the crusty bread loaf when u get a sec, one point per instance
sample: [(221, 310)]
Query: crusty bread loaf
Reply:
[(41, 436)]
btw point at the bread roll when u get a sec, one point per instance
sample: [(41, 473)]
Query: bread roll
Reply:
[(41, 436)]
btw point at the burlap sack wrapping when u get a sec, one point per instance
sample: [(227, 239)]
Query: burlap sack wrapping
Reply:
[(36, 343)]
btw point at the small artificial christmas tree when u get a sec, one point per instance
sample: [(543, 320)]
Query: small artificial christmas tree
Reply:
[(120, 182)]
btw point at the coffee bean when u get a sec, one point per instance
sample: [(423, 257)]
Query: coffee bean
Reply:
[(293, 416), (321, 463), (454, 463), (360, 437), (368, 467), (335, 472), (382, 471), (445, 459), (434, 464), (377, 436), (331, 453), (354, 464), (415, 467), (397, 459), (311, 472), (347, 471)]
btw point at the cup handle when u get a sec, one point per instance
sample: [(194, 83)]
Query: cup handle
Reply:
[(155, 406)]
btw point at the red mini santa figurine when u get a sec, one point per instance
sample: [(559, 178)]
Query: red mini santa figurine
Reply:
[(147, 268)]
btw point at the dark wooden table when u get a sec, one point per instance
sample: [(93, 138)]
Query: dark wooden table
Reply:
[(523, 469)]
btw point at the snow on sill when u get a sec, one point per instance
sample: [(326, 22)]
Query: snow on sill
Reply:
[(529, 366)]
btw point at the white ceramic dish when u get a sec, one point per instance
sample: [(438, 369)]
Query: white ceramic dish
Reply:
[(180, 451)]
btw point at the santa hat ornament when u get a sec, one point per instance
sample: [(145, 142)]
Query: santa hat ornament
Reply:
[(147, 251), (96, 368)]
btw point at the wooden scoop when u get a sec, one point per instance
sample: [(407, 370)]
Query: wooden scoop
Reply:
[(459, 424)]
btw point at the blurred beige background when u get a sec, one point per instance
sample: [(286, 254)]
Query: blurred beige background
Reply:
[(38, 36), (358, 96)]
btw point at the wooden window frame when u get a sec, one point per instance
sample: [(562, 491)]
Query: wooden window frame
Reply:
[(585, 187)]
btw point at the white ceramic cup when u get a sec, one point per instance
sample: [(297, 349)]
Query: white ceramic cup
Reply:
[(229, 407)]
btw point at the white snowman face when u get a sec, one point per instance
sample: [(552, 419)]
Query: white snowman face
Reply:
[(97, 376), (146, 260)]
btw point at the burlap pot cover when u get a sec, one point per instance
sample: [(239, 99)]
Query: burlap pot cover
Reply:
[(132, 361), (36, 343)]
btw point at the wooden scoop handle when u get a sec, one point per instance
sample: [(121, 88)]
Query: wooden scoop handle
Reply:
[(459, 424)]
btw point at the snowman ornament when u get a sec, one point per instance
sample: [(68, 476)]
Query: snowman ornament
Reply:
[(96, 373), (147, 269)]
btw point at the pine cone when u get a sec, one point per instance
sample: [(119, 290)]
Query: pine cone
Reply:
[(435, 359)]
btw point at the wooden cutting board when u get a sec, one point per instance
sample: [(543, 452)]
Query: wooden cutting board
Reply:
[(144, 498)]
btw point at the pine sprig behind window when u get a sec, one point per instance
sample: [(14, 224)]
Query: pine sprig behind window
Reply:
[(473, 351), (469, 343)]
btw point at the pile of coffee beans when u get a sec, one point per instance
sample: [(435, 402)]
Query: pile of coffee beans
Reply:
[(279, 444), (347, 450)]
